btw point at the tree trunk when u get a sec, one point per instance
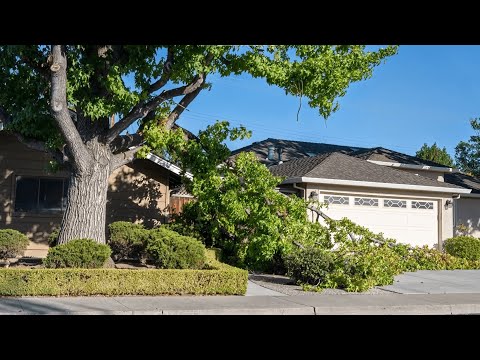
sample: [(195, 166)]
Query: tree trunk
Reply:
[(85, 214)]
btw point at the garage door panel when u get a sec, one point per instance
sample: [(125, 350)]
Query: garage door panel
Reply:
[(415, 226), (422, 220)]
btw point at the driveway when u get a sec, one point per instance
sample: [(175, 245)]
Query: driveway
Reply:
[(419, 282), (436, 282)]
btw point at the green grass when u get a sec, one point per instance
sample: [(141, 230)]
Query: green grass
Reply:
[(216, 279)]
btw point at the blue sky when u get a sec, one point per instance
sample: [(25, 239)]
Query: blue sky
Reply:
[(422, 94)]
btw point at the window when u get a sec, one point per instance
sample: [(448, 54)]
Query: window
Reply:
[(428, 205), (366, 202), (40, 194), (339, 200), (394, 203)]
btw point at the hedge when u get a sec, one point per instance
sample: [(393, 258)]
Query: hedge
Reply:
[(216, 279)]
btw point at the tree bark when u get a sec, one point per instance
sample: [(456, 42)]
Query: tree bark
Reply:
[(85, 213)]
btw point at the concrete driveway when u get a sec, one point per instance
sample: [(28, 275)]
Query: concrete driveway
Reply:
[(436, 282)]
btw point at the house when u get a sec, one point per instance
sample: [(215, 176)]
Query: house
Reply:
[(32, 199), (415, 201)]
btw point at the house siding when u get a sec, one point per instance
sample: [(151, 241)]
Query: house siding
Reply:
[(467, 212), (137, 192)]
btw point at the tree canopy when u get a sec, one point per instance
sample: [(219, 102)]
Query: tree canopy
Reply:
[(436, 154), (467, 153), (62, 98)]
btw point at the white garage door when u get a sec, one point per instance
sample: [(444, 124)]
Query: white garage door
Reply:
[(410, 221)]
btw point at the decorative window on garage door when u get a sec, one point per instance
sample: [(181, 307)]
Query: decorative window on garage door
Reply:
[(392, 203), (338, 200), (427, 205), (366, 202)]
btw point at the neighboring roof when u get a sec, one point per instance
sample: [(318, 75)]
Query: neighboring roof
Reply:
[(465, 181), (339, 166), (387, 155), (292, 149)]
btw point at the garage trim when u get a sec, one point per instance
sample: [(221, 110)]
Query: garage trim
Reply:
[(379, 185)]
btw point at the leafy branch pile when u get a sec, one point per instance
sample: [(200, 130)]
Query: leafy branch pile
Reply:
[(370, 260)]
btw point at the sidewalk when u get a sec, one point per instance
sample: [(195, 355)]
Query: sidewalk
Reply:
[(242, 305)]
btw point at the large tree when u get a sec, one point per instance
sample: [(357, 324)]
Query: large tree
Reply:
[(62, 98), (467, 153), (436, 154)]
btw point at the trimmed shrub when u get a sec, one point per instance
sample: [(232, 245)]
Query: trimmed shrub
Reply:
[(79, 253), (12, 243), (465, 247), (127, 240), (53, 237), (169, 250), (222, 279), (309, 265)]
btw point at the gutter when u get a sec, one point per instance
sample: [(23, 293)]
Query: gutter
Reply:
[(167, 165), (377, 185)]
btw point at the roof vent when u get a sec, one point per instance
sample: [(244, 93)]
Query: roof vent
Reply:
[(280, 150), (271, 153)]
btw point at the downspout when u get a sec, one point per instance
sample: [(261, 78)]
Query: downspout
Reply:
[(295, 186), (455, 197)]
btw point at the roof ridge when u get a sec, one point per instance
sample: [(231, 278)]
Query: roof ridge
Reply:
[(297, 141)]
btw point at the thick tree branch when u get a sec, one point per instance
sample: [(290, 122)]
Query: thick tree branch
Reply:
[(60, 112), (141, 110), (187, 99), (180, 108), (167, 70), (124, 158)]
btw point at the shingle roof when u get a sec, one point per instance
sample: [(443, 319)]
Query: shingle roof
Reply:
[(292, 149), (466, 181), (382, 154), (344, 167)]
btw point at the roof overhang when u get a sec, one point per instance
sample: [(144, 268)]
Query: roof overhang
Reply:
[(415, 167), (167, 165), (377, 185)]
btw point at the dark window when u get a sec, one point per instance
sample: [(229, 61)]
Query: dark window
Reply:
[(39, 194), (26, 196)]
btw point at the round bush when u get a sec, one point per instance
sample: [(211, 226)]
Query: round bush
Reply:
[(79, 253), (168, 249), (309, 265), (465, 247), (12, 243), (127, 240)]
